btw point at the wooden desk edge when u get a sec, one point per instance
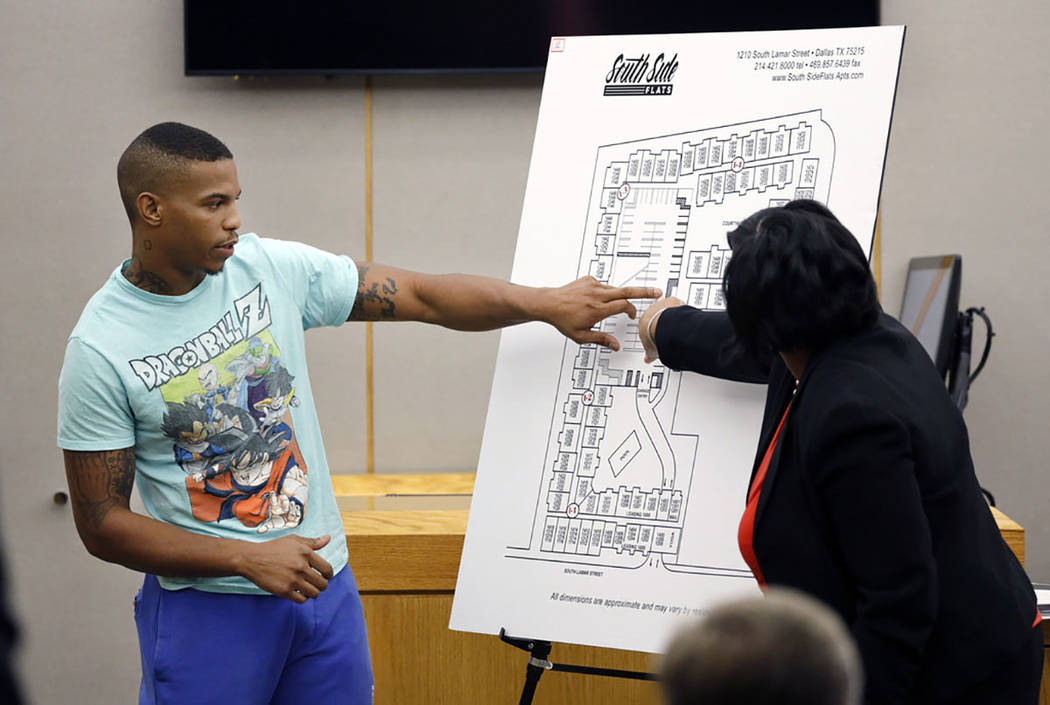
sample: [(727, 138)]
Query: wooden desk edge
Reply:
[(420, 550), (414, 483)]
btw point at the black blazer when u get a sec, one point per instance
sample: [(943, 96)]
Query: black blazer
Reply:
[(871, 504)]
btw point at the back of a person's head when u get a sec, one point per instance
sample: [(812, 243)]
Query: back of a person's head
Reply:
[(797, 280), (784, 649), (159, 154)]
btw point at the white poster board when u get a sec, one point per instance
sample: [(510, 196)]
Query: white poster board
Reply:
[(609, 491)]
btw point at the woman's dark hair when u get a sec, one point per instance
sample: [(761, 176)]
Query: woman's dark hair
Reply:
[(797, 280)]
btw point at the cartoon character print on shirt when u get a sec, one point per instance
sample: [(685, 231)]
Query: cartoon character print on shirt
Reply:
[(231, 427)]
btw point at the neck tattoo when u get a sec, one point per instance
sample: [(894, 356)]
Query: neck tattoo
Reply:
[(143, 279)]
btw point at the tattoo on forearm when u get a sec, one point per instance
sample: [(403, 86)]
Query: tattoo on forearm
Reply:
[(374, 300), (145, 280), (100, 481)]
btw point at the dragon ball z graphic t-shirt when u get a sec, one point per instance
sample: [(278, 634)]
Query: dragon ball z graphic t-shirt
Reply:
[(211, 389)]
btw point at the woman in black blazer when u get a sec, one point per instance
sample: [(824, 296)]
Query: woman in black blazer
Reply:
[(866, 498)]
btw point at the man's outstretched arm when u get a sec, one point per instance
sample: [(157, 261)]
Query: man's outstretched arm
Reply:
[(100, 485), (467, 302)]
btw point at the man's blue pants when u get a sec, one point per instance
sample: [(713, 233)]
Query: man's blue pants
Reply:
[(203, 647)]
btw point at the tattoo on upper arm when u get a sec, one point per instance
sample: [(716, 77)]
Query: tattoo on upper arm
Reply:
[(99, 481), (374, 300)]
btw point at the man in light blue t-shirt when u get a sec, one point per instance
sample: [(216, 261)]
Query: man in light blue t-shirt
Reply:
[(187, 371)]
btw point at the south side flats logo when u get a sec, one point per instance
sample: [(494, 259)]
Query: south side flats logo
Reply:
[(641, 75)]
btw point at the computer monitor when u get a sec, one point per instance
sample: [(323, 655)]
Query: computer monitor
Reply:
[(930, 309)]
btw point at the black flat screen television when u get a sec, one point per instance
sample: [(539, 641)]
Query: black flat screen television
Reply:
[(327, 37)]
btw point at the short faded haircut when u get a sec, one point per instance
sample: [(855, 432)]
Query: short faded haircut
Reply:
[(784, 649), (159, 153)]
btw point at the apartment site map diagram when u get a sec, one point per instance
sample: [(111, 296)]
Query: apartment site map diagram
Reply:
[(609, 490), (616, 482)]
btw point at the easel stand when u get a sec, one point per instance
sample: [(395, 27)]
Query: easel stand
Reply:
[(538, 663)]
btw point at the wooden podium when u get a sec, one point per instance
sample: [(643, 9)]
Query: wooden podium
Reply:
[(405, 534)]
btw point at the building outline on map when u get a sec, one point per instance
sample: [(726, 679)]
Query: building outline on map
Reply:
[(617, 476)]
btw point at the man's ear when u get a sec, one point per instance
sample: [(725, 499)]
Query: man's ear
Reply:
[(149, 208)]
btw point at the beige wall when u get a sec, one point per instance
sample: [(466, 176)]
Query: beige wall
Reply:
[(451, 159), (965, 174)]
